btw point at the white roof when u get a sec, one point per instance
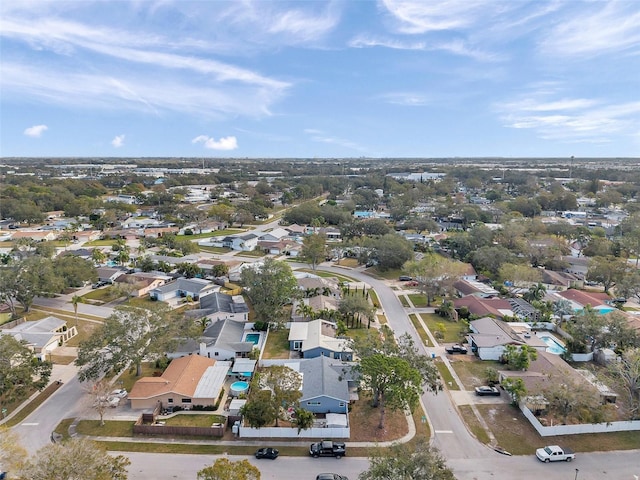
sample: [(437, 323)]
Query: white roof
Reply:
[(212, 380)]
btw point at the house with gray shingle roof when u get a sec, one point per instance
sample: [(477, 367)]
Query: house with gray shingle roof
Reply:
[(220, 306), (325, 388), (41, 336), (221, 340), (317, 338), (195, 288)]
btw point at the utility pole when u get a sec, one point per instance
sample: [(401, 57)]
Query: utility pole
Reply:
[(571, 168)]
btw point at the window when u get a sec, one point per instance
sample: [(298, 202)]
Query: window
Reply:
[(215, 354), (341, 404), (186, 400), (314, 404), (169, 400)]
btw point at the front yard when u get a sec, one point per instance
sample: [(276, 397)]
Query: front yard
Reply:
[(453, 332)]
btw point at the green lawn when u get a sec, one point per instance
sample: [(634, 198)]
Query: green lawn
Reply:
[(386, 274), (188, 420), (474, 424), (252, 253), (515, 434), (111, 428), (404, 301), (453, 330), (416, 324), (447, 378), (217, 233), (101, 243), (419, 300), (218, 250), (128, 377), (277, 344), (472, 373)]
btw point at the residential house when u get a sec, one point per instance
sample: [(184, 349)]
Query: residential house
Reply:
[(195, 288), (174, 261), (243, 243), (562, 279), (296, 230), (274, 235), (109, 274), (142, 283), (187, 381), (484, 307), (489, 337), (220, 306), (225, 340), (41, 336), (580, 299), (466, 287), (36, 235), (325, 388), (318, 338)]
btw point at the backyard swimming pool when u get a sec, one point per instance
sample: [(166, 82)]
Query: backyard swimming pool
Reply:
[(253, 338), (553, 346), (238, 388)]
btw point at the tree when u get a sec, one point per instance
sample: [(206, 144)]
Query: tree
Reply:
[(225, 469), (627, 372), (519, 275), (284, 384), (562, 308), (127, 337), (392, 251), (98, 256), (519, 357), (403, 461), (75, 459), (314, 249), (20, 371), (490, 259), (356, 307), (435, 274), (189, 270), (514, 386), (259, 410), (573, 398), (607, 270), (75, 300), (31, 277), (270, 287), (394, 383), (12, 454), (535, 293), (75, 271), (629, 285), (304, 419), (100, 391)]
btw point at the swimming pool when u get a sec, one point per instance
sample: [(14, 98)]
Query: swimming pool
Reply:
[(253, 338), (553, 346), (238, 388)]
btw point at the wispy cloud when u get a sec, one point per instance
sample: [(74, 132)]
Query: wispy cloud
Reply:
[(572, 119), (36, 131), (320, 136), (224, 143), (408, 99), (146, 92), (596, 28), (303, 25), (414, 16), (118, 141)]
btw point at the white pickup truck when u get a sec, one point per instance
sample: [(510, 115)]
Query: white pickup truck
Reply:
[(554, 453)]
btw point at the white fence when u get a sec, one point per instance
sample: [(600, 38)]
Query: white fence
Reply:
[(281, 432), (628, 426)]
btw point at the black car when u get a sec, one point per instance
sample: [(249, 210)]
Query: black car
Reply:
[(456, 349), (330, 476), (487, 391), (269, 452), (405, 278)]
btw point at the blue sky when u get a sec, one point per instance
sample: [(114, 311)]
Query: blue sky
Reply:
[(391, 78)]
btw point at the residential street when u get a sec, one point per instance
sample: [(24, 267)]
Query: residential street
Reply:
[(469, 459)]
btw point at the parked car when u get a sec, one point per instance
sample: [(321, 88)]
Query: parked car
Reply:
[(486, 391), (405, 278), (120, 393), (554, 453), (330, 476), (327, 448), (267, 452), (113, 402), (456, 349)]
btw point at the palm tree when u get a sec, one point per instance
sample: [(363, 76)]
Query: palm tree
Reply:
[(536, 292), (305, 310), (75, 300)]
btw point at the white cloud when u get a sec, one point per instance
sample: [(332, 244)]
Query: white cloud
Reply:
[(420, 17), (408, 99), (118, 141), (596, 28), (224, 143), (575, 120), (36, 131), (322, 137)]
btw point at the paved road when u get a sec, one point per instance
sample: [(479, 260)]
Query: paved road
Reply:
[(149, 466), (450, 434), (64, 303)]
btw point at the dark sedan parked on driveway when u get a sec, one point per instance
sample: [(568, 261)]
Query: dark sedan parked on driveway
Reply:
[(269, 452), (487, 391)]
